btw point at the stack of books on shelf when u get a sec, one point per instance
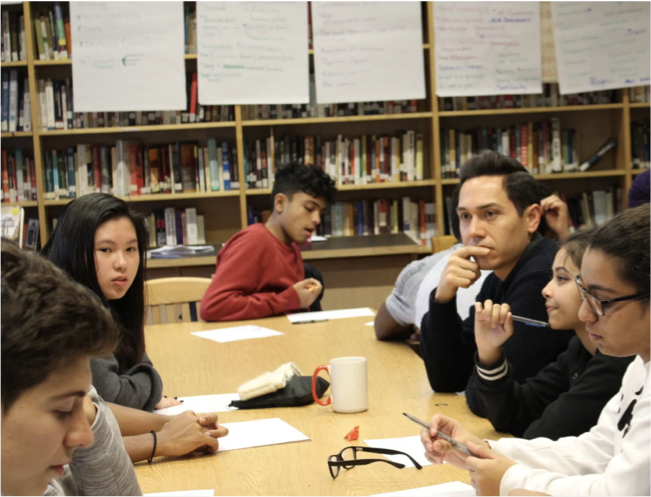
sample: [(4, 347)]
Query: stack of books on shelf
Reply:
[(14, 41), (295, 111), (14, 227), (550, 98), (639, 94), (131, 169), (373, 217), (174, 226), (18, 176), (358, 160), (542, 147), (16, 103), (57, 110), (52, 31), (640, 145)]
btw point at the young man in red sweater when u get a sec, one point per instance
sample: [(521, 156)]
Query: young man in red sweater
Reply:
[(260, 270)]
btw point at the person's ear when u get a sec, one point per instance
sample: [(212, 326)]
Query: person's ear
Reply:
[(280, 202), (532, 216)]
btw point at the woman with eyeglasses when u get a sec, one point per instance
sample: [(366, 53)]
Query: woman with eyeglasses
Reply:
[(614, 457), (564, 398)]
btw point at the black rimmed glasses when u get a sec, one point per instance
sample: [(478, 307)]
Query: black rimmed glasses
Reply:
[(598, 305), (348, 459)]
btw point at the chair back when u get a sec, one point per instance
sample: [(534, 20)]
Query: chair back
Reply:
[(174, 300), (440, 243)]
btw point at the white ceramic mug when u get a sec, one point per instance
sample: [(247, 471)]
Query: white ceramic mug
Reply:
[(348, 384)]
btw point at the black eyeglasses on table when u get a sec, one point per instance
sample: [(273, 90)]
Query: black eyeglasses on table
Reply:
[(348, 459)]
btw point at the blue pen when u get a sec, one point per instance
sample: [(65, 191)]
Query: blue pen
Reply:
[(531, 322)]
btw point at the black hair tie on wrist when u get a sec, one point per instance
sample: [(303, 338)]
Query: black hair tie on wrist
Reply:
[(151, 458)]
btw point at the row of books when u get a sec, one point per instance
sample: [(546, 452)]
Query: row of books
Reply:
[(542, 147), (348, 160), (57, 110), (16, 103), (295, 111), (174, 226), (549, 98), (639, 94), (16, 228), (18, 176), (131, 169), (372, 217), (52, 31), (640, 145), (190, 19), (14, 41)]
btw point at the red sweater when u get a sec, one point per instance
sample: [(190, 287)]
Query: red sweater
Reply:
[(254, 278)]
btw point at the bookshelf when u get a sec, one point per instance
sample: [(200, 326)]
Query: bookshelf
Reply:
[(228, 209)]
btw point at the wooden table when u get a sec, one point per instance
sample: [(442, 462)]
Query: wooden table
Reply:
[(398, 383)]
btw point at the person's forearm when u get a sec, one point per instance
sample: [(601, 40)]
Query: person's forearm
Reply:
[(136, 422), (139, 447), (386, 328)]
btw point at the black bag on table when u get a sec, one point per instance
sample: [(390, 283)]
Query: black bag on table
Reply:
[(297, 392)]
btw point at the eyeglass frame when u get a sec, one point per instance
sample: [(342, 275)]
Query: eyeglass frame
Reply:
[(350, 463), (583, 292)]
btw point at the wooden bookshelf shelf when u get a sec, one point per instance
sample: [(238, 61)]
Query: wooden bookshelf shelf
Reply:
[(530, 110), (387, 185), (159, 197), (16, 63), (60, 62), (137, 129), (191, 56), (635, 172), (640, 105), (26, 203), (561, 176), (339, 119), (16, 134), (259, 191)]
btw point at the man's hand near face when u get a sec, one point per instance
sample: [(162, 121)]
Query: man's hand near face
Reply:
[(460, 272)]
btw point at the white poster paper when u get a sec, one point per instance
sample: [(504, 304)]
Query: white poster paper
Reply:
[(487, 48), (128, 56), (549, 71), (253, 53), (259, 433), (366, 51), (601, 45)]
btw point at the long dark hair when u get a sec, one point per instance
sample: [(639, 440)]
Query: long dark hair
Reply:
[(72, 248)]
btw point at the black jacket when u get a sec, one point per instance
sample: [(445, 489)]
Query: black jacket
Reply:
[(448, 344), (564, 400)]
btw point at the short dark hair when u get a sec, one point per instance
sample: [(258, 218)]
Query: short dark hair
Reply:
[(576, 244), (626, 238), (72, 248), (48, 321), (294, 178), (521, 187)]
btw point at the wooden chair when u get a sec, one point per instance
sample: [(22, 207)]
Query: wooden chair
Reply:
[(174, 300), (440, 243)]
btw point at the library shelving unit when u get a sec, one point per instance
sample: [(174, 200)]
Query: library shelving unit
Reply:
[(358, 272)]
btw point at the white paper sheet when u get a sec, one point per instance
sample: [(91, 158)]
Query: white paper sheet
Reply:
[(601, 45), (317, 238), (410, 445), (258, 433), (487, 48), (237, 333), (364, 50), (327, 315), (252, 53), (190, 493), (128, 56), (202, 403), (370, 323), (452, 489)]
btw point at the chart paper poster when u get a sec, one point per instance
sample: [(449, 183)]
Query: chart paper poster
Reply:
[(367, 51), (487, 48), (253, 53), (601, 45), (128, 56)]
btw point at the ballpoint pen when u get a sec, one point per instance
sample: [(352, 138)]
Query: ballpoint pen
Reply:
[(455, 444), (531, 322)]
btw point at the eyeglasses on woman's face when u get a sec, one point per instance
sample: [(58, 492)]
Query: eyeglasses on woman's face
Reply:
[(347, 458), (597, 305)]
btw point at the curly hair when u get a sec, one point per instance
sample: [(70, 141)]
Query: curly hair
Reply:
[(294, 178)]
